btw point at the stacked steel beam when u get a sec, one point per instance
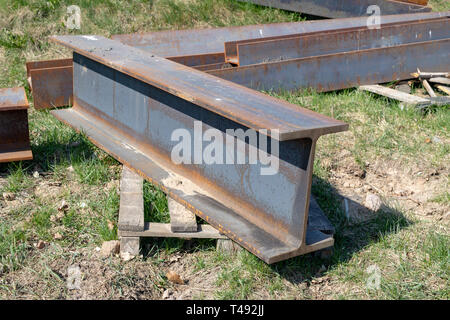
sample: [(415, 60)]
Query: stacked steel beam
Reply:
[(346, 8), (322, 55)]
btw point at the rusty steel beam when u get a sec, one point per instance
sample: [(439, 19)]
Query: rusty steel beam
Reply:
[(209, 41), (199, 59), (14, 135), (129, 103), (343, 70), (282, 49), (50, 82), (247, 52), (342, 8)]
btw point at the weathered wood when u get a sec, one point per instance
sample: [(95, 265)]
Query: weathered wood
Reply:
[(227, 246), (440, 101), (131, 211), (427, 87), (444, 89), (440, 80), (130, 245), (395, 94), (428, 75), (404, 87), (163, 230), (181, 219)]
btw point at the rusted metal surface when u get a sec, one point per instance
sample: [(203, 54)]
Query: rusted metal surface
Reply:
[(214, 66), (199, 59), (264, 50), (343, 70), (14, 135), (342, 8), (129, 103), (205, 41), (206, 91), (45, 64), (51, 83), (247, 52)]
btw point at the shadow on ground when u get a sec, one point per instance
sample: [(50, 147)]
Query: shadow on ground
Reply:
[(350, 236)]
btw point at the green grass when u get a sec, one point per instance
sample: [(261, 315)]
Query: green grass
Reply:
[(411, 254), (13, 248)]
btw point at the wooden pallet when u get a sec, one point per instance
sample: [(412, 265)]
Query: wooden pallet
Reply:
[(183, 224)]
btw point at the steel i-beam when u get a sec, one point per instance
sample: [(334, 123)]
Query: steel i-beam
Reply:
[(14, 135), (130, 103), (343, 8), (343, 70), (248, 52), (205, 41)]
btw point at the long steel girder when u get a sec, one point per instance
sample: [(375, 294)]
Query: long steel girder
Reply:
[(255, 51), (129, 103), (14, 135), (360, 55), (343, 70), (205, 41), (280, 44), (342, 8)]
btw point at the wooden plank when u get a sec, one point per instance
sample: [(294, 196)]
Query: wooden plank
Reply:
[(252, 109), (130, 245), (131, 211), (228, 246), (444, 89), (395, 94), (437, 101), (163, 230), (181, 219), (428, 75), (440, 80), (427, 87)]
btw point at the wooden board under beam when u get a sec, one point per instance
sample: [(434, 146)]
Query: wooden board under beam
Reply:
[(163, 230), (395, 94)]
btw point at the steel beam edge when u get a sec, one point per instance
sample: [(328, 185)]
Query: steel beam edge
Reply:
[(211, 41)]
